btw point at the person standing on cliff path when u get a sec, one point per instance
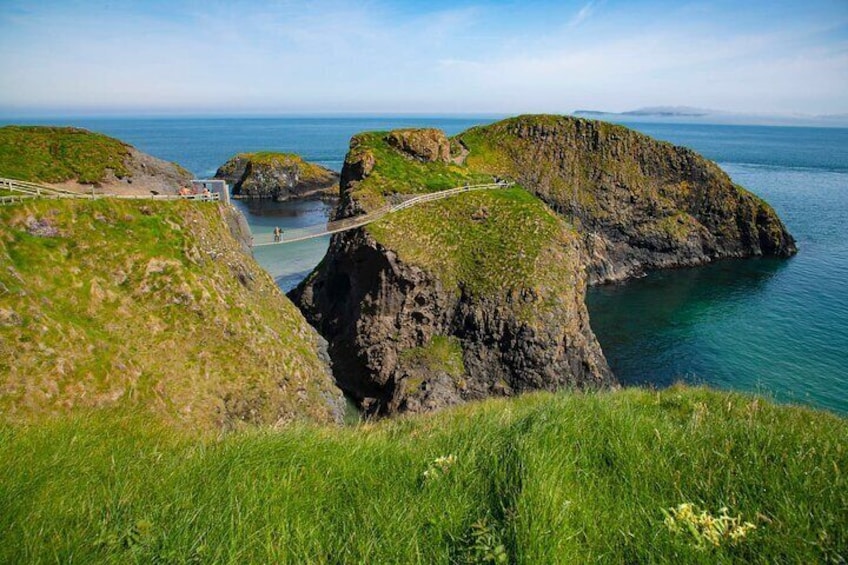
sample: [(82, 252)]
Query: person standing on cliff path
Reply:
[(278, 234)]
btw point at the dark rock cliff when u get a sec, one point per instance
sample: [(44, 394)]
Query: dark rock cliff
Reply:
[(641, 204), (281, 176), (492, 317)]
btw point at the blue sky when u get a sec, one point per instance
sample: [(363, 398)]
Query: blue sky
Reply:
[(371, 56)]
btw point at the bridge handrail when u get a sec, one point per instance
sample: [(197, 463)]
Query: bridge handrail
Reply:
[(31, 189)]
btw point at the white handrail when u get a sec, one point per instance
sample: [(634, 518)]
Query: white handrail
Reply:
[(31, 189)]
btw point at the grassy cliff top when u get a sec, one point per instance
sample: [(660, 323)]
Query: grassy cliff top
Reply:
[(487, 242), (57, 154), (395, 172), (306, 170), (575, 162), (537, 479), (150, 306)]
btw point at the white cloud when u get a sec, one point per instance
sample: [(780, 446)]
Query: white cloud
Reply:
[(582, 14)]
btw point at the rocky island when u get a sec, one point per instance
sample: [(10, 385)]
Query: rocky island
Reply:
[(483, 294), (280, 176)]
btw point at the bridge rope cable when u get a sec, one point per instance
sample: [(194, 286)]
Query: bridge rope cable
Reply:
[(329, 228)]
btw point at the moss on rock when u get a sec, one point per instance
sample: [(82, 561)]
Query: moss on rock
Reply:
[(640, 203)]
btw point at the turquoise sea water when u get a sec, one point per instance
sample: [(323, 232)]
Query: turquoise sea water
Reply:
[(779, 327)]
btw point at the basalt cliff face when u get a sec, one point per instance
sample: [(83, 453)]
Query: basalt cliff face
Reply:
[(483, 293), (281, 176), (640, 204)]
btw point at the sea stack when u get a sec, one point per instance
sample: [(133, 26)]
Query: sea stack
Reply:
[(279, 176)]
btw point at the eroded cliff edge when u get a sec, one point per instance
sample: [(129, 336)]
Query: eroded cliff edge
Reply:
[(483, 293)]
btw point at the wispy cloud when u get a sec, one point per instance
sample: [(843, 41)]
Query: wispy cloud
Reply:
[(582, 14)]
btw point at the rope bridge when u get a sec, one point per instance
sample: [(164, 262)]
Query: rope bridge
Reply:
[(321, 230)]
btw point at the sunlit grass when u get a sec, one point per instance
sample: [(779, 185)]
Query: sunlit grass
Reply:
[(56, 154), (147, 304), (537, 479)]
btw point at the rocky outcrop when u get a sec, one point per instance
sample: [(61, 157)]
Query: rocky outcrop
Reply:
[(483, 294), (402, 340), (428, 144), (640, 204), (281, 176), (147, 174), (413, 327)]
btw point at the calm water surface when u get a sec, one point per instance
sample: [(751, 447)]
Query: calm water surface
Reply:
[(779, 327)]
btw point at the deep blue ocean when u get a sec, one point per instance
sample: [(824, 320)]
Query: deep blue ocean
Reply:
[(778, 327)]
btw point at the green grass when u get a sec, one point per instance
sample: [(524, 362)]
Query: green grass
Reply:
[(396, 173), (487, 242), (538, 479), (150, 306), (591, 169), (57, 154), (306, 171), (442, 353)]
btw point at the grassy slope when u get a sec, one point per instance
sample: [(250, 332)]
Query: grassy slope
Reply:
[(149, 306), (56, 154), (497, 150), (488, 243), (508, 246), (396, 173), (573, 180), (545, 478)]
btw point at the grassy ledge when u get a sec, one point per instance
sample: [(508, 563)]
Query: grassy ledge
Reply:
[(396, 173), (537, 479), (57, 154), (442, 353), (488, 242)]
